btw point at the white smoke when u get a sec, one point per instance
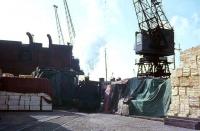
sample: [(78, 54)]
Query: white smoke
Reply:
[(96, 33)]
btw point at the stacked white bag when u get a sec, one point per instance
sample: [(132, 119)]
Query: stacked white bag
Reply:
[(25, 101)]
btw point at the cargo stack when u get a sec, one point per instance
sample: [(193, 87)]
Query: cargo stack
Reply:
[(25, 101), (25, 94), (185, 85)]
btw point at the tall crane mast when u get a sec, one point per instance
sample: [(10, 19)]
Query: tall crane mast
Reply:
[(155, 41), (70, 25), (59, 29)]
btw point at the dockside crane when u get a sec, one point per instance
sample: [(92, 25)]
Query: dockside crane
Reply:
[(70, 25), (155, 40), (59, 29)]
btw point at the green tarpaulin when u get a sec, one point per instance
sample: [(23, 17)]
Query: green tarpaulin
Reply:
[(148, 96)]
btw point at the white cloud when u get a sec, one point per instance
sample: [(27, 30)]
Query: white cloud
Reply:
[(196, 18), (181, 25), (21, 16), (91, 31), (120, 60), (93, 38), (113, 13), (187, 30)]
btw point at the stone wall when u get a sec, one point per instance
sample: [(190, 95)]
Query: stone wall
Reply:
[(185, 85)]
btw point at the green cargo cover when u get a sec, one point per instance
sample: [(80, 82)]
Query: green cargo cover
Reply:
[(148, 96)]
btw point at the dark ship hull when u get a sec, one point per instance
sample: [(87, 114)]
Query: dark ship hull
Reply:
[(17, 58), (55, 63)]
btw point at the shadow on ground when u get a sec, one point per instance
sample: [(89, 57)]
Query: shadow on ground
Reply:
[(45, 121)]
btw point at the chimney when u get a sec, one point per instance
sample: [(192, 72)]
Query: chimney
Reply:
[(50, 40), (30, 36)]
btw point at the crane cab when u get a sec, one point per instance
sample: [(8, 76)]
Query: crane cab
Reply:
[(156, 42)]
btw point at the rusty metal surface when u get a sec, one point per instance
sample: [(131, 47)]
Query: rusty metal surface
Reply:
[(25, 85)]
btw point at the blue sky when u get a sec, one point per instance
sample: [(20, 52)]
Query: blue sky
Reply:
[(99, 24)]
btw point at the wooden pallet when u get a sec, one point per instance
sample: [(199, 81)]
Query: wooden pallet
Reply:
[(190, 123)]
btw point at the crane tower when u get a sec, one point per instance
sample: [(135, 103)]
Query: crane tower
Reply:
[(70, 25), (59, 29), (155, 40)]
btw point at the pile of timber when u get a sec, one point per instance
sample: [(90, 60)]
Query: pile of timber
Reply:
[(186, 85)]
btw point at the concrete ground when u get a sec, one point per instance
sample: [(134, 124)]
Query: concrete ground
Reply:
[(59, 120)]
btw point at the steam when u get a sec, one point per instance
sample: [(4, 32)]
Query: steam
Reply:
[(93, 55)]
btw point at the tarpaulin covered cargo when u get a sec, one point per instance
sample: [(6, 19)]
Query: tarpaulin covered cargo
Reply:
[(145, 96), (149, 96), (113, 94)]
